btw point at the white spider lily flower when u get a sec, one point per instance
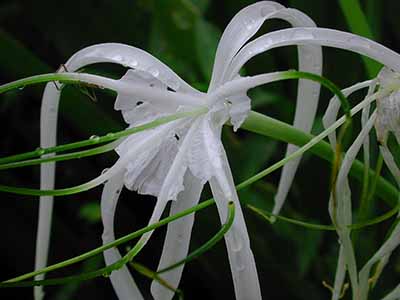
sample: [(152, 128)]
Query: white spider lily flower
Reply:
[(171, 166)]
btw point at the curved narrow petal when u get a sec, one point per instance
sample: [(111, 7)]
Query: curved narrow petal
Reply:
[(313, 36), (176, 244), (328, 119), (122, 281), (310, 60), (390, 163), (384, 252), (316, 36), (110, 52), (339, 276), (342, 213), (331, 112), (131, 57), (48, 136), (364, 119), (239, 30), (241, 259), (393, 295), (173, 182)]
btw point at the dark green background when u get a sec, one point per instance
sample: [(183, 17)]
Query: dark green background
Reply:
[(37, 36)]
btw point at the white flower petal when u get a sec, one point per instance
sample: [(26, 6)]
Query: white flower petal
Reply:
[(240, 106), (310, 60), (136, 111), (334, 105), (384, 252), (316, 36), (341, 216), (205, 152), (340, 275), (388, 107), (131, 57), (176, 244), (113, 53), (241, 257), (393, 295), (173, 182), (239, 30), (122, 281), (390, 163)]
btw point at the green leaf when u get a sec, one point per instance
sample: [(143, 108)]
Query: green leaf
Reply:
[(90, 212), (358, 24)]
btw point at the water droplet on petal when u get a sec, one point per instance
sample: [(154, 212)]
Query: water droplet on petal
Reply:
[(238, 261), (133, 63), (104, 171), (267, 9), (358, 42), (236, 241), (154, 71), (173, 84), (302, 34), (249, 24)]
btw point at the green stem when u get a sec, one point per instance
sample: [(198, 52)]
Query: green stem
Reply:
[(345, 105), (278, 130), (117, 242), (269, 217), (99, 140), (209, 244), (358, 24), (62, 157), (106, 271)]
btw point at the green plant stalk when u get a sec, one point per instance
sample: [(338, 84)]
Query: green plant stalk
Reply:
[(269, 216), (143, 270), (106, 271), (99, 140), (209, 244), (267, 126), (117, 242), (345, 105)]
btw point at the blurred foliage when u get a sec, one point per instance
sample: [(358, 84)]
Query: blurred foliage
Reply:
[(37, 36)]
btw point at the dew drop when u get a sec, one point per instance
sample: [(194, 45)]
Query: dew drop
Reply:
[(267, 10), (94, 138), (239, 262), (21, 88), (40, 151), (104, 171), (173, 84), (302, 34), (236, 241), (249, 24), (106, 274), (358, 42), (133, 63), (154, 71)]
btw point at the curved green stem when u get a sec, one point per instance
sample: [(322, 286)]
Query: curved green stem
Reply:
[(209, 244), (268, 216), (105, 247), (106, 271), (62, 157), (94, 140), (267, 126)]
